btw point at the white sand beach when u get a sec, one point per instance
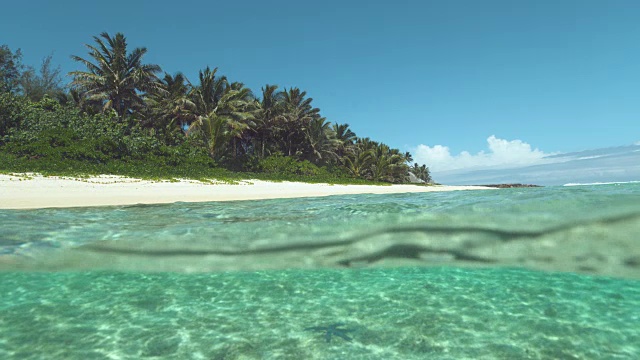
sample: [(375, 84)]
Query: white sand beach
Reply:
[(36, 191)]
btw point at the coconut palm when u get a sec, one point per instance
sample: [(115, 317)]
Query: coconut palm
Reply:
[(212, 129), (225, 111), (80, 100), (426, 175), (421, 172), (170, 106), (380, 163), (209, 91), (240, 108), (322, 141), (408, 158), (270, 108), (386, 164), (208, 123), (116, 78), (359, 161), (296, 115), (345, 137), (366, 143)]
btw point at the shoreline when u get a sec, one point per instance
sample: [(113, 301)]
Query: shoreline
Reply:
[(36, 191)]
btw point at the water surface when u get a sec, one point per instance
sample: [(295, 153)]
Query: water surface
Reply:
[(547, 273)]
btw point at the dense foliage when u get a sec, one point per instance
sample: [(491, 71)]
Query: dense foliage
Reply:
[(120, 117)]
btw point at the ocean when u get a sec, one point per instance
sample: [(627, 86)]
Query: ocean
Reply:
[(523, 273)]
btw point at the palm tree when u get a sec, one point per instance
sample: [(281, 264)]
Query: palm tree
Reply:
[(170, 107), (206, 96), (421, 172), (213, 131), (209, 91), (224, 112), (386, 164), (296, 115), (408, 158), (240, 108), (380, 163), (345, 137), (426, 174), (321, 140), (398, 169), (358, 161), (270, 109), (80, 100), (116, 78)]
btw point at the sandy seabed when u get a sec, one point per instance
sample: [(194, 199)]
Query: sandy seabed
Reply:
[(36, 191)]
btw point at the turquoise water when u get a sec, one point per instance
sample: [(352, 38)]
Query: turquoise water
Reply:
[(550, 273)]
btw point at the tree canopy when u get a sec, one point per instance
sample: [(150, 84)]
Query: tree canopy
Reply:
[(10, 69), (116, 78), (117, 110)]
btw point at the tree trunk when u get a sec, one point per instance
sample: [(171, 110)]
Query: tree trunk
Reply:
[(235, 148)]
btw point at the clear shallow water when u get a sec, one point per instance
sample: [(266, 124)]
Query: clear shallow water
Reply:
[(586, 229), (399, 271), (402, 313)]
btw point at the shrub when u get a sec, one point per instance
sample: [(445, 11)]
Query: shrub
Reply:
[(286, 165)]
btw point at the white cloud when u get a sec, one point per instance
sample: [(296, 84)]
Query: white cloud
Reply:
[(501, 153), (636, 143)]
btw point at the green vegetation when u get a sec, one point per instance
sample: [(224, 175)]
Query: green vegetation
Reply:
[(118, 116)]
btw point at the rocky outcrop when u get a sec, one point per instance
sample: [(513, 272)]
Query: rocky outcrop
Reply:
[(414, 179)]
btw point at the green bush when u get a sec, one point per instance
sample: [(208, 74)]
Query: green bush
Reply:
[(46, 129), (11, 110), (287, 165), (54, 139)]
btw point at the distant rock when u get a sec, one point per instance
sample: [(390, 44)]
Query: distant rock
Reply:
[(414, 179)]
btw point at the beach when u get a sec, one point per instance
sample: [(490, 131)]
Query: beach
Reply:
[(36, 191)]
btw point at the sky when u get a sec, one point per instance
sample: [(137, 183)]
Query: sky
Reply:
[(459, 83), (606, 165)]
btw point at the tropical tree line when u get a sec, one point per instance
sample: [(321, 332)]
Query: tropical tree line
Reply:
[(236, 128)]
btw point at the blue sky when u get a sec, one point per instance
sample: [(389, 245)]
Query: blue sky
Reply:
[(613, 164), (437, 78)]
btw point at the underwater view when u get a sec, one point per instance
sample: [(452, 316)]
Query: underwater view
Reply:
[(535, 273)]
